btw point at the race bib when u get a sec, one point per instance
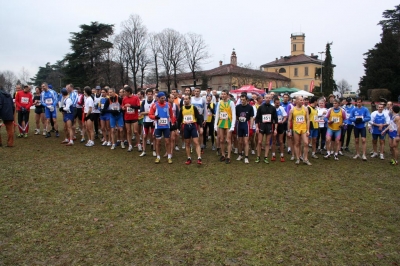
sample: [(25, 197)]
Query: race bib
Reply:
[(49, 101), (188, 119), (223, 115), (347, 115), (209, 113), (130, 110), (280, 119), (163, 121), (316, 118), (242, 119), (359, 116), (335, 119), (266, 118), (102, 106), (24, 100), (300, 119), (321, 118)]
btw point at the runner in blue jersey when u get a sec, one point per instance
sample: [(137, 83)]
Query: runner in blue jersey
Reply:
[(379, 122), (359, 116), (49, 99)]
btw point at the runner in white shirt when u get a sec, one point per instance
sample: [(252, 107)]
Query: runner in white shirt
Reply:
[(88, 109)]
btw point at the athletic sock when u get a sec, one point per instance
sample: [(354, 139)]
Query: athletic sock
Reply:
[(158, 156), (281, 154), (273, 154), (169, 156)]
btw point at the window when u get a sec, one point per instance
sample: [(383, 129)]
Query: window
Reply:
[(294, 47), (302, 46), (306, 71), (306, 87), (282, 70), (296, 72)]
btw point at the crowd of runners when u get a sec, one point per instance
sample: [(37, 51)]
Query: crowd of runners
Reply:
[(266, 127)]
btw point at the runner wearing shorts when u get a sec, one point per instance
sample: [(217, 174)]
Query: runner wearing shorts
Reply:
[(335, 118)]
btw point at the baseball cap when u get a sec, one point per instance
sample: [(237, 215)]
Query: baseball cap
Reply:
[(160, 94)]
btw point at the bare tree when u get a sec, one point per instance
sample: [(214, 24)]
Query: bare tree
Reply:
[(342, 87), (144, 62), (195, 52), (133, 36), (24, 76), (154, 46), (9, 80)]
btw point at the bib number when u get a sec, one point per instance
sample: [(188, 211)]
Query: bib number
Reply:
[(359, 116), (300, 119), (335, 119), (49, 101), (188, 119), (24, 100), (280, 119), (130, 110), (102, 106), (223, 115), (266, 118), (242, 119), (163, 121), (316, 118)]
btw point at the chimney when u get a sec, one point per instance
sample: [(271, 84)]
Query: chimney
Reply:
[(233, 58), (220, 62), (276, 59), (312, 54), (281, 56)]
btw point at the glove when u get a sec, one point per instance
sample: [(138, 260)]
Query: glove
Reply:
[(358, 120), (50, 107), (231, 129), (23, 109), (215, 128), (115, 112), (157, 117), (61, 109)]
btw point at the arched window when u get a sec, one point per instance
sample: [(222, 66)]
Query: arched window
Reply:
[(282, 70)]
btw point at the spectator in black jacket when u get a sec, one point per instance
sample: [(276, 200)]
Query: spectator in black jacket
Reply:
[(7, 110)]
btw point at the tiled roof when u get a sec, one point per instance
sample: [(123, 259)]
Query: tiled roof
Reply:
[(293, 60), (229, 69)]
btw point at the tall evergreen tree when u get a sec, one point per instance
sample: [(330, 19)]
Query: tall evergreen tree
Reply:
[(382, 63), (83, 65), (328, 84)]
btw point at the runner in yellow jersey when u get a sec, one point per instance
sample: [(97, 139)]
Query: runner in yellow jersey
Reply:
[(335, 117), (225, 118), (314, 125), (300, 121)]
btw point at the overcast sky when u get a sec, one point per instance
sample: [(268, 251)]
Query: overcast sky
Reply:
[(35, 32)]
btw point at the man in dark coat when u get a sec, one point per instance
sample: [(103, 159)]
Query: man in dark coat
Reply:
[(7, 109)]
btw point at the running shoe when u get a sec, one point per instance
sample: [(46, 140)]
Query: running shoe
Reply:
[(213, 148), (122, 145), (154, 154), (44, 133), (176, 148), (228, 160), (104, 143), (48, 135), (346, 149), (148, 142), (340, 153), (109, 144), (140, 148), (282, 159), (188, 161), (364, 157), (37, 131), (199, 161), (336, 157), (157, 160), (130, 148), (57, 134), (253, 152), (307, 162), (82, 140), (169, 160), (65, 141), (292, 158), (69, 144), (395, 162), (239, 158), (297, 162), (257, 160), (327, 156), (374, 155), (273, 159), (266, 160), (222, 159), (357, 156), (381, 157), (113, 147), (183, 146), (142, 154), (314, 156), (246, 160), (235, 151)]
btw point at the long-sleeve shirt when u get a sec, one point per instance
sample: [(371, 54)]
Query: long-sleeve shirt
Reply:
[(153, 113), (48, 98), (23, 100), (362, 113)]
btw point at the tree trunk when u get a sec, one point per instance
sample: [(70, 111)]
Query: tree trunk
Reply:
[(155, 62)]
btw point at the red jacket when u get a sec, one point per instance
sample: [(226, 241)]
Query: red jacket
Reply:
[(132, 112), (23, 99)]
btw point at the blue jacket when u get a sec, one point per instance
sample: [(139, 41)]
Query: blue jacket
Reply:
[(7, 107), (363, 113)]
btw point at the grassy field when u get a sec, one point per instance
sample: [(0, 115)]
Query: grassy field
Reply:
[(94, 206)]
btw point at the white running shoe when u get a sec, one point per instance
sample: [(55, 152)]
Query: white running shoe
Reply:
[(113, 147), (364, 157), (37, 131), (44, 133), (104, 143), (183, 146), (139, 147), (176, 148), (154, 154), (382, 157), (374, 155), (239, 158), (246, 160), (253, 152), (142, 154), (341, 153), (109, 144), (235, 151), (130, 148), (292, 158), (356, 156), (122, 145)]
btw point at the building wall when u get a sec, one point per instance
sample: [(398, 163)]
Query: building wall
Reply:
[(301, 80)]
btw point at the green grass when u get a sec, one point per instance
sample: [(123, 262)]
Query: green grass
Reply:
[(94, 206)]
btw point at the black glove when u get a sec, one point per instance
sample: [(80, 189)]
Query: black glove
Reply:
[(157, 117), (23, 110), (359, 120), (61, 109)]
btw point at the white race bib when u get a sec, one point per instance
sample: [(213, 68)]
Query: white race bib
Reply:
[(316, 118), (102, 106), (223, 115), (266, 118), (188, 119), (280, 119), (130, 110), (49, 101), (300, 119), (242, 119), (163, 121), (209, 113), (335, 119), (359, 116), (25, 100)]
